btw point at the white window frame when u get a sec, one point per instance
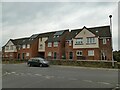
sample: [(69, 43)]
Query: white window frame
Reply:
[(90, 40), (79, 41), (7, 48), (90, 52), (55, 44), (27, 54), (41, 46), (104, 41), (49, 54), (11, 47), (23, 46), (11, 55), (28, 45), (49, 44), (70, 43), (80, 53)]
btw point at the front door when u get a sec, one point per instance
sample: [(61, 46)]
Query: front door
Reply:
[(23, 55), (18, 55), (103, 56), (55, 55), (70, 55)]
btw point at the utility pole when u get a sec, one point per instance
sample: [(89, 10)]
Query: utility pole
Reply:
[(110, 16)]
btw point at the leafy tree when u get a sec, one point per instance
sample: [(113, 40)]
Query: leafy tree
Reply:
[(116, 55)]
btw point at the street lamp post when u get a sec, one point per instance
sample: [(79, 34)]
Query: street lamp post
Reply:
[(110, 16)]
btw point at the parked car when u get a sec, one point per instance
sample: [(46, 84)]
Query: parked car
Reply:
[(37, 62)]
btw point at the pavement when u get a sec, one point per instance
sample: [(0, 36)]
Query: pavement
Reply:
[(55, 76)]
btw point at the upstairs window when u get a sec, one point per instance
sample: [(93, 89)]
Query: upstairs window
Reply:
[(23, 46), (70, 42), (91, 40), (55, 44), (41, 46), (79, 41), (49, 44), (104, 40), (19, 47), (11, 47), (28, 45), (7, 47)]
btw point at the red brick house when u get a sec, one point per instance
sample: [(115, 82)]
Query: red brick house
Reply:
[(89, 44), (22, 48), (43, 37), (27, 47), (55, 45)]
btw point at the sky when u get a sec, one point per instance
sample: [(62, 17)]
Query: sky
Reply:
[(22, 19)]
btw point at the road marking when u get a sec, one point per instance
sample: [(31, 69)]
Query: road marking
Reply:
[(104, 83), (9, 73), (49, 77), (13, 72), (38, 74), (88, 81)]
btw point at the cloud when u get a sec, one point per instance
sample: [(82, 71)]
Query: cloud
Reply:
[(24, 19)]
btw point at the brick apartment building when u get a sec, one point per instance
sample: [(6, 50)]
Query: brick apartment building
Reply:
[(22, 48), (79, 44), (55, 45), (41, 43), (89, 44)]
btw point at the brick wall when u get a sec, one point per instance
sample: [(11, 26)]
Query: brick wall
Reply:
[(107, 48)]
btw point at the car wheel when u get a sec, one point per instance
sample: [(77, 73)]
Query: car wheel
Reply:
[(41, 65), (29, 65)]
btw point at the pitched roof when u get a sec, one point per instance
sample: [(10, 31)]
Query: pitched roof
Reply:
[(59, 33), (45, 34), (20, 41), (58, 36), (72, 34), (102, 31)]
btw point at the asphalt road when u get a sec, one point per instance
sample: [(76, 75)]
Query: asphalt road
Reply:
[(22, 76)]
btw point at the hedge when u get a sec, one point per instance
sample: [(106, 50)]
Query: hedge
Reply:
[(86, 63)]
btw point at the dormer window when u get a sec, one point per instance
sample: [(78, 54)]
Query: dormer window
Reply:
[(56, 36)]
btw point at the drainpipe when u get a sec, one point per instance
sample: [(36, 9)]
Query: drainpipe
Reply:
[(110, 16)]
